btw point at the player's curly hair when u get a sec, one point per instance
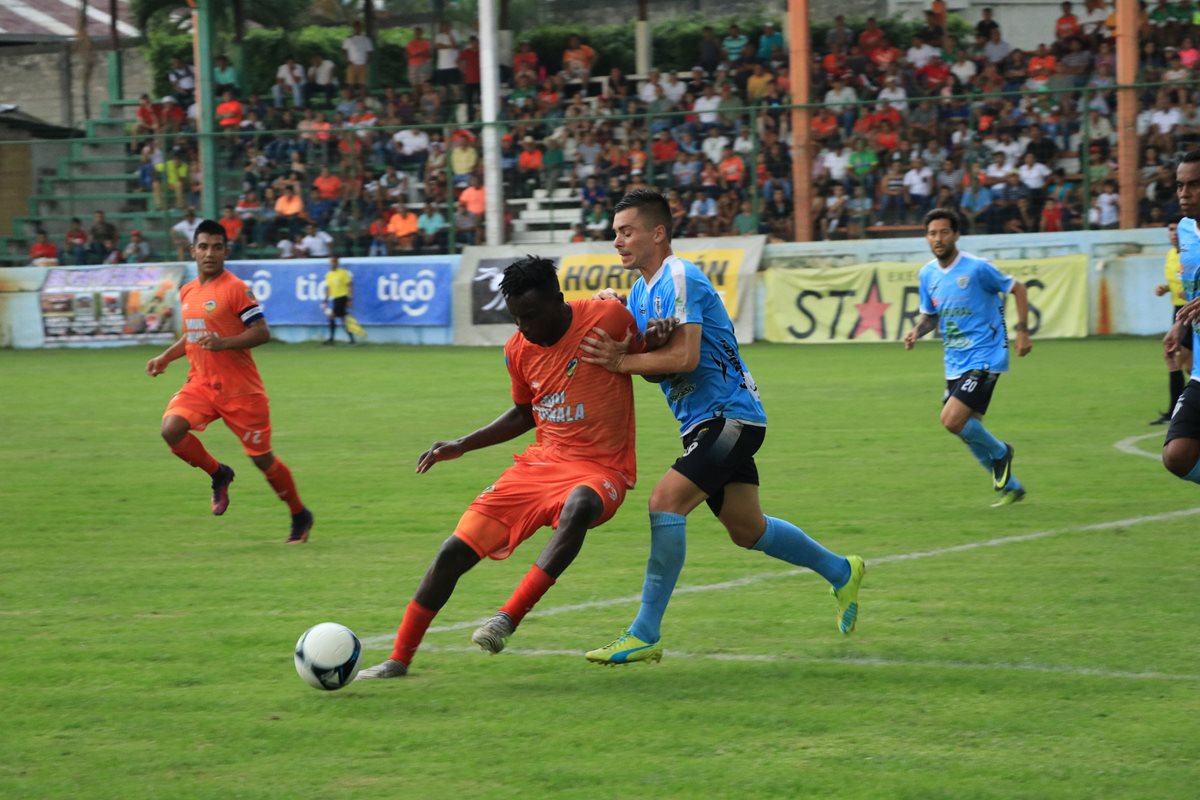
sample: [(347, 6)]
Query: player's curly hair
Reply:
[(530, 273), (941, 213)]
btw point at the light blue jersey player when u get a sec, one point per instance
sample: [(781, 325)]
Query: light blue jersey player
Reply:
[(720, 386), (693, 353), (963, 296), (1181, 450)]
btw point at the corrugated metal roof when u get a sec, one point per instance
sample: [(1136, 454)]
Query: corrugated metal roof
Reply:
[(43, 20)]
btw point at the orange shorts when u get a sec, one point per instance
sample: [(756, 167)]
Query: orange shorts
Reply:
[(247, 415), (531, 496)]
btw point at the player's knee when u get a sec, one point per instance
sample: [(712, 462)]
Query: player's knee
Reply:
[(953, 425), (455, 557), (264, 461), (744, 536), (1177, 461), (583, 507), (172, 433)]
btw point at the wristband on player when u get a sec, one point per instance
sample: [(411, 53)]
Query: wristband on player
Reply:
[(1021, 327)]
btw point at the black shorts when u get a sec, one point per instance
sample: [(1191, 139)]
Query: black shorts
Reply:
[(718, 452), (447, 77), (974, 389), (1185, 335), (1185, 417), (339, 306)]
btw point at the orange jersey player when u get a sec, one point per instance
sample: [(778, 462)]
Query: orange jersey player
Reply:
[(572, 478), (221, 322)]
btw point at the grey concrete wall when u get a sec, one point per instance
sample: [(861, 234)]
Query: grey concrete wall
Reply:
[(47, 81)]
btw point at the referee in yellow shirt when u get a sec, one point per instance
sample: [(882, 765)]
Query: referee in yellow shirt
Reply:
[(1179, 367), (340, 293)]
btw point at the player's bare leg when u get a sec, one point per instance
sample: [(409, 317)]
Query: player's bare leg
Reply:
[(582, 508), (176, 432), (454, 559), (280, 478)]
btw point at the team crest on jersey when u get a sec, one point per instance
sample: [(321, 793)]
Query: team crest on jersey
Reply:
[(249, 293), (572, 365), (963, 281), (612, 490), (491, 488), (210, 306)]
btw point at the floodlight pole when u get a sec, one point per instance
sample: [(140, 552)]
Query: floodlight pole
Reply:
[(202, 32), (1127, 110), (489, 88), (800, 79)]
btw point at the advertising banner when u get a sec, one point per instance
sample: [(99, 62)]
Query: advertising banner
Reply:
[(386, 291), (583, 269), (879, 301), (134, 304)]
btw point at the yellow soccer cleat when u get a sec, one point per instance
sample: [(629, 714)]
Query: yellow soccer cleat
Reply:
[(847, 596), (626, 649), (1009, 497)]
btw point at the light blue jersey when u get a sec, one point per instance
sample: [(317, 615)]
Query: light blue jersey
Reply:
[(968, 299), (1189, 265), (720, 386)]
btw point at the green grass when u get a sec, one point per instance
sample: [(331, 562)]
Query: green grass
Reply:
[(147, 645)]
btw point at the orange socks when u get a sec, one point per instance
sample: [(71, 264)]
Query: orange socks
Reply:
[(280, 478), (412, 631), (192, 451), (535, 584)]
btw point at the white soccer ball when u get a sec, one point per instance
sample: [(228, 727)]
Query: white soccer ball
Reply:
[(327, 656)]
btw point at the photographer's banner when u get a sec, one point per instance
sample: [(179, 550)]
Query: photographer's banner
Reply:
[(481, 317), (386, 291), (111, 305), (880, 302)]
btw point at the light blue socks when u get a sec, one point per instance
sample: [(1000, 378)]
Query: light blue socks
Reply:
[(785, 541), (668, 546)]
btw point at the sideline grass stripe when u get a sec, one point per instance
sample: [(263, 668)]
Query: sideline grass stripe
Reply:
[(386, 640)]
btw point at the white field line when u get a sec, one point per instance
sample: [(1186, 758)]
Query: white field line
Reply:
[(860, 661), (384, 640), (1129, 445)]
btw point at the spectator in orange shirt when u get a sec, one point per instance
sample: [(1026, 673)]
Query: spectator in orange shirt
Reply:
[(233, 231), (289, 212), (529, 166), (525, 61), (824, 124), (1041, 63), (328, 185), (402, 229), (420, 58), (473, 197), (578, 60), (1066, 26), (733, 169)]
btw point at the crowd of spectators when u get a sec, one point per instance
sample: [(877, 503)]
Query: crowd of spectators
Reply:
[(901, 127)]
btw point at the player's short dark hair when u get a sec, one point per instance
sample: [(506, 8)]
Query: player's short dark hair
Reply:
[(531, 273), (651, 206), (941, 213), (1190, 157), (210, 226)]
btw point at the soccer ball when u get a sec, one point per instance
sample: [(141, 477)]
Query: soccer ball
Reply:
[(327, 656)]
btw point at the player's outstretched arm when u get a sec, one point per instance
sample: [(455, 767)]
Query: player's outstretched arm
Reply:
[(509, 425), (925, 323), (1021, 296), (158, 365), (255, 334)]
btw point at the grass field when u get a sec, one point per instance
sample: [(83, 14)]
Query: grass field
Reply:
[(1045, 650)]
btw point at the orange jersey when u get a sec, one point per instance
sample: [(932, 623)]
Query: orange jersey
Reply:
[(224, 306), (582, 411)]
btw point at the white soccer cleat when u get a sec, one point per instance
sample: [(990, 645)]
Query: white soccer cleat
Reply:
[(492, 635), (388, 669)]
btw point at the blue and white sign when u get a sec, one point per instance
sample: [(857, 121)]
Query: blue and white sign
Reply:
[(386, 291)]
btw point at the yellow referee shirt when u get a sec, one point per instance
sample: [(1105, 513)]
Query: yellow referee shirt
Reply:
[(1171, 270), (337, 282)]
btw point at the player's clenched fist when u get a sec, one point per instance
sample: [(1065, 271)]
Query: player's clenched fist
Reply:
[(156, 366)]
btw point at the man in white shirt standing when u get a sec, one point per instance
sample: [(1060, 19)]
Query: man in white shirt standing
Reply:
[(358, 49), (289, 78), (919, 183), (648, 92), (321, 77), (315, 243), (706, 106), (445, 45)]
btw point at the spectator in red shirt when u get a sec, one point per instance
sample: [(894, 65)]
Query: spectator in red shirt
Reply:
[(663, 149), (420, 58), (733, 169), (935, 75), (232, 224), (468, 65), (43, 253), (170, 115), (229, 112), (872, 37), (146, 120)]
